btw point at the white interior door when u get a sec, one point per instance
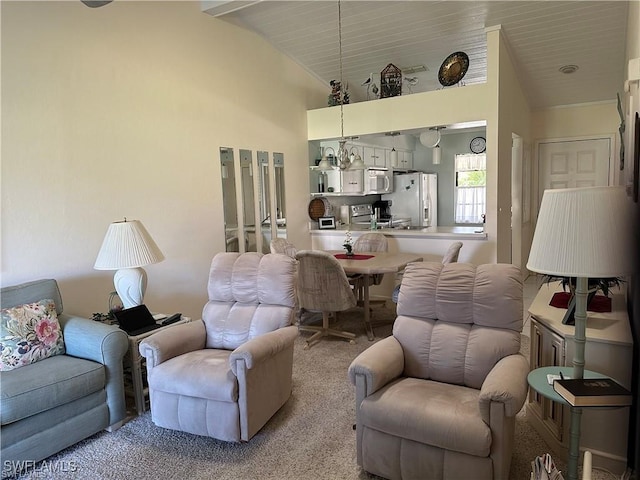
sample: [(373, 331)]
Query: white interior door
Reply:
[(571, 164)]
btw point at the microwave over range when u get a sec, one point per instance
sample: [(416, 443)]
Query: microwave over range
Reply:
[(378, 180)]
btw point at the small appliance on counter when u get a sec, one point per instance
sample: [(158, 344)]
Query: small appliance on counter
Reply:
[(361, 215)]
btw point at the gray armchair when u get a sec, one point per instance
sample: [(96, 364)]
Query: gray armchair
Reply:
[(57, 401), (226, 375), (438, 398)]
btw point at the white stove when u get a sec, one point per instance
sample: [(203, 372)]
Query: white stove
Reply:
[(361, 215)]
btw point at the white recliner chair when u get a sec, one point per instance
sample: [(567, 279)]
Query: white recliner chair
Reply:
[(226, 375), (438, 398)]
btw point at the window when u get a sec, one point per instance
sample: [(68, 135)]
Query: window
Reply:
[(471, 188)]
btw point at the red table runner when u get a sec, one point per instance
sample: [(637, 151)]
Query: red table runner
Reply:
[(355, 256)]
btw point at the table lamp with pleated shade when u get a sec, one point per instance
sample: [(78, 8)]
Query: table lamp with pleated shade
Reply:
[(126, 248)]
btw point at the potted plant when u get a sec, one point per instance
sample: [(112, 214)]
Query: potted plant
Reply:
[(348, 244), (594, 284)]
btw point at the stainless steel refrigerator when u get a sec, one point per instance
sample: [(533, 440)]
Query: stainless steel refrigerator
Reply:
[(415, 196)]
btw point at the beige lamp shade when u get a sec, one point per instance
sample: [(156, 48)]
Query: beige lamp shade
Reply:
[(127, 244), (127, 247), (583, 232)]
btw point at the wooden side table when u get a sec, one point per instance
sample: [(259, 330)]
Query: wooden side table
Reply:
[(135, 360), (608, 351)]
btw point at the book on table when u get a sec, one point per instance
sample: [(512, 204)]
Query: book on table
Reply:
[(592, 392)]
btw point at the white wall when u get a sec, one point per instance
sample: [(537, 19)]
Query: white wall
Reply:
[(120, 111)]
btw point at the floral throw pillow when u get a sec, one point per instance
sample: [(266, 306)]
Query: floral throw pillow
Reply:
[(29, 333)]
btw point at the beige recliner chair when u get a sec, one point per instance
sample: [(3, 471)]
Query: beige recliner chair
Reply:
[(438, 398), (226, 375)]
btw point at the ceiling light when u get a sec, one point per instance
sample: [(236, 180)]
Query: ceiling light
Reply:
[(431, 138), (568, 69)]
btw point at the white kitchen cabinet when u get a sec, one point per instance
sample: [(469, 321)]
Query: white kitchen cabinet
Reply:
[(374, 156), (608, 350), (405, 160), (352, 181)]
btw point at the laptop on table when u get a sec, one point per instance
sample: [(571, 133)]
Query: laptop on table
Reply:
[(136, 320)]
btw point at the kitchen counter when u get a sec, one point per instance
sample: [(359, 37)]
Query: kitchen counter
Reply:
[(456, 233)]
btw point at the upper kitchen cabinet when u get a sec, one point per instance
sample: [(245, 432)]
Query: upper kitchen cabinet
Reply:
[(375, 156), (402, 161)]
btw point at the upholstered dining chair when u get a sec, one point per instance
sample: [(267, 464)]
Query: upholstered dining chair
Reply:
[(226, 375), (438, 398), (323, 287), (282, 245), (450, 256), (369, 242)]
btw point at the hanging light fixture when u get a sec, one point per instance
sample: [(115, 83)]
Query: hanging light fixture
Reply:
[(436, 155), (356, 160), (393, 154), (431, 139), (325, 164), (342, 154)]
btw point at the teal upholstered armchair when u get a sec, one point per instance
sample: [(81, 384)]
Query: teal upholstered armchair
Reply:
[(57, 401)]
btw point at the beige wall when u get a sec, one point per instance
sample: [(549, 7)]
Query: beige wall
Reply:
[(120, 111), (513, 119), (575, 121)]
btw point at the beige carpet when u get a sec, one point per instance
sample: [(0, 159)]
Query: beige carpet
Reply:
[(311, 437)]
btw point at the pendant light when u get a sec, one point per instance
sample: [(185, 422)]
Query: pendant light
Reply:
[(356, 160), (431, 139), (342, 154), (436, 155), (393, 154), (325, 164)]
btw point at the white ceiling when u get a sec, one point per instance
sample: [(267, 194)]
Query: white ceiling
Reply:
[(542, 36)]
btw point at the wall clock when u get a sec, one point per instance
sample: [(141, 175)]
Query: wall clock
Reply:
[(478, 145)]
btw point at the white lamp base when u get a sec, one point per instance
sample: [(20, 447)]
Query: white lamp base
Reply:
[(130, 283)]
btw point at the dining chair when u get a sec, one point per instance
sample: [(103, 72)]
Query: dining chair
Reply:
[(282, 245), (369, 242), (450, 256), (323, 287)]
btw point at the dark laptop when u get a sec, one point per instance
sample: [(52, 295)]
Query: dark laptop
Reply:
[(136, 320)]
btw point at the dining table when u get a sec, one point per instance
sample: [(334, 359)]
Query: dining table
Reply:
[(368, 264)]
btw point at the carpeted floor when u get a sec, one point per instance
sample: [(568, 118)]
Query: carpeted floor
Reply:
[(311, 437)]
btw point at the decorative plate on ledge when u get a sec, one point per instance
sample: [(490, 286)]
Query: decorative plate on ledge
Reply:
[(453, 69)]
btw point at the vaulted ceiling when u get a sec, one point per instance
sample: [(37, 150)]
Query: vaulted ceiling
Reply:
[(542, 36)]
